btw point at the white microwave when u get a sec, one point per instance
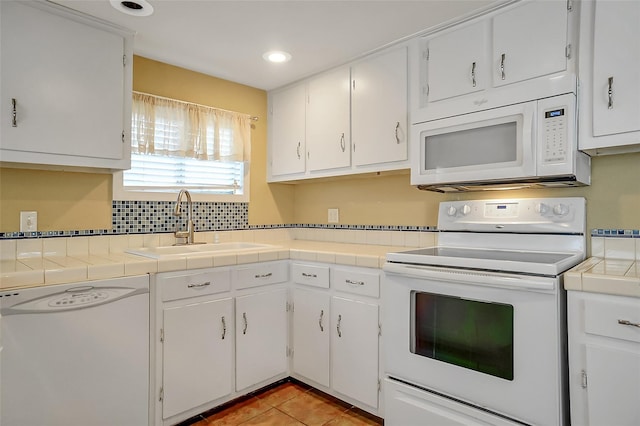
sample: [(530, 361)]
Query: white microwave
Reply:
[(530, 144)]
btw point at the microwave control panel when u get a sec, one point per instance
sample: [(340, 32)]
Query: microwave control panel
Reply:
[(555, 135)]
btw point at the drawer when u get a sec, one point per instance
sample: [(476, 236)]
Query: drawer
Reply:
[(193, 284), (313, 275), (619, 319), (358, 282), (260, 274)]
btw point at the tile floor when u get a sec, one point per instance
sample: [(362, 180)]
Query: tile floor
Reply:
[(289, 403)]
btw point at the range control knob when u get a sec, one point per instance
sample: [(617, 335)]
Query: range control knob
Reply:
[(542, 208), (561, 209), (451, 211), (465, 210)]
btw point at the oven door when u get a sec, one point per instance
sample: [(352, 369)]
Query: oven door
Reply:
[(490, 340)]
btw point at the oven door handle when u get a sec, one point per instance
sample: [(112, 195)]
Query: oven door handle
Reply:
[(471, 277)]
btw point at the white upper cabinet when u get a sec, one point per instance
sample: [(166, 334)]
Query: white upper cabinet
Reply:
[(65, 89), (287, 109), (457, 62), (529, 41), (328, 130), (379, 108), (609, 64)]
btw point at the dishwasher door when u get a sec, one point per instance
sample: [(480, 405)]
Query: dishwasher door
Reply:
[(76, 354)]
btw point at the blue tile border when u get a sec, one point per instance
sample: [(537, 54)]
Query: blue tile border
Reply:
[(152, 217), (616, 233)]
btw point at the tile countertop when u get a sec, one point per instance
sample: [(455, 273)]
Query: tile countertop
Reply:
[(39, 271), (619, 277)]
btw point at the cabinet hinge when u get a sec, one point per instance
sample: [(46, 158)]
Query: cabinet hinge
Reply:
[(353, 85), (583, 379), (425, 55), (124, 60), (162, 335), (379, 385), (569, 5), (289, 352), (428, 88), (161, 396), (289, 307), (123, 136), (567, 51), (379, 329)]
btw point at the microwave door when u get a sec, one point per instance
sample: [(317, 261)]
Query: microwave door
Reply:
[(485, 146)]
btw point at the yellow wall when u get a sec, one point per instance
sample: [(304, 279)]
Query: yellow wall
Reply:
[(75, 201)]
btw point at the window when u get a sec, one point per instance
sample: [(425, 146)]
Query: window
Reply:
[(177, 145)]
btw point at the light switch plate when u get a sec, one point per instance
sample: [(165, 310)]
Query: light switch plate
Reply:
[(333, 216), (28, 221)]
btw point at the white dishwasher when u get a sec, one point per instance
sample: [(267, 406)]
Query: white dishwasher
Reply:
[(76, 354)]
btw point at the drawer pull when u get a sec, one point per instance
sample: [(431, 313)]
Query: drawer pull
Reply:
[(199, 285), (244, 317), (224, 328), (625, 322), (304, 274), (354, 282), (267, 275), (320, 320)]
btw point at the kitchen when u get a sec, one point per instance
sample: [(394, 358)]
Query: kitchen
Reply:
[(384, 201)]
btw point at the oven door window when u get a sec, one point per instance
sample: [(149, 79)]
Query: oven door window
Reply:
[(467, 333)]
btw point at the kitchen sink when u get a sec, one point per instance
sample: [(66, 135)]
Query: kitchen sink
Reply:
[(190, 249)]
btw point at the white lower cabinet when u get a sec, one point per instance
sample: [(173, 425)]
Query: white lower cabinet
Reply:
[(197, 354), (604, 359), (261, 337)]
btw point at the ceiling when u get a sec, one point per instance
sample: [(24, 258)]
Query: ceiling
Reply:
[(227, 39)]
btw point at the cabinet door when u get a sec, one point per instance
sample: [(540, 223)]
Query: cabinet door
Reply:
[(287, 141), (529, 41), (311, 330), (616, 105), (457, 63), (328, 129), (613, 386), (197, 354), (379, 109), (354, 349), (261, 337), (67, 80)]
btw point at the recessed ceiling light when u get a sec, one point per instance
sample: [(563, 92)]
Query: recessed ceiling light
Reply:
[(277, 56), (133, 7)]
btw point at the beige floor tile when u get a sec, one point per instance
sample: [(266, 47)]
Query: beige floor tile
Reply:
[(312, 409), (273, 417), (239, 413)]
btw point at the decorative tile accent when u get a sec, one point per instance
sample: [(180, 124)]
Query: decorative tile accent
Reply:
[(616, 233)]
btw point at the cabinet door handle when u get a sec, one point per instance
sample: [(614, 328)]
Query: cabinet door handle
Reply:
[(267, 275), (298, 149), (473, 74), (320, 320), (610, 93), (342, 144), (626, 322), (397, 128), (224, 328), (199, 285), (244, 317), (338, 327), (14, 113), (354, 282), (502, 66)]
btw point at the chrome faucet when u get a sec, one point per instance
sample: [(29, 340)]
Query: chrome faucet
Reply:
[(188, 234)]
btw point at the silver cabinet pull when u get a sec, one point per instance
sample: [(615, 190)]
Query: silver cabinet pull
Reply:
[(610, 93), (626, 322), (199, 285), (473, 74), (320, 320), (14, 113), (244, 317), (298, 149), (502, 66), (338, 327), (267, 275), (397, 128), (354, 282), (304, 274), (342, 144), (224, 328)]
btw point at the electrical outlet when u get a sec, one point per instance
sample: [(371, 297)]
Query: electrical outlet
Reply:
[(28, 221), (333, 216)]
